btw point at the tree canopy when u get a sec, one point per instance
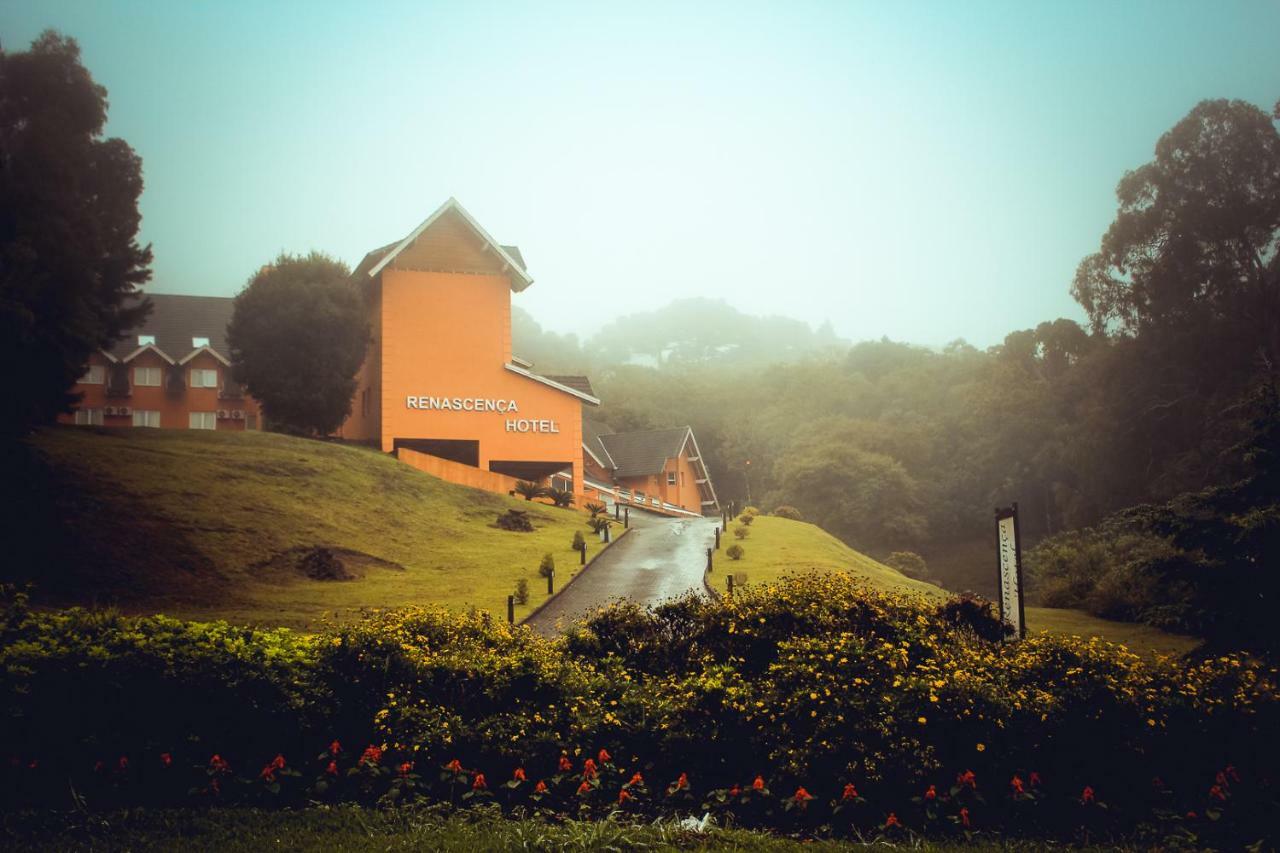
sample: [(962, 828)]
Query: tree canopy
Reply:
[(298, 335), (70, 263)]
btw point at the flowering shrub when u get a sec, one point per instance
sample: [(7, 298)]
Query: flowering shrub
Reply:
[(817, 705)]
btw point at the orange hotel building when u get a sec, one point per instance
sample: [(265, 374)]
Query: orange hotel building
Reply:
[(439, 387)]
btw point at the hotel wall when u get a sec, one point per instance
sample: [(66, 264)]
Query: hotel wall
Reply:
[(449, 335), (174, 408)]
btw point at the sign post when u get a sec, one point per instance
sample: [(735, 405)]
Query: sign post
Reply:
[(1009, 568)]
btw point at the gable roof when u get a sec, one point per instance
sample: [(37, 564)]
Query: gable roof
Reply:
[(547, 380), (374, 262), (591, 432), (640, 453), (174, 320), (578, 383)]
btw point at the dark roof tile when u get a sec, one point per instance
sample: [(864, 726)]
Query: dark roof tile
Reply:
[(176, 319)]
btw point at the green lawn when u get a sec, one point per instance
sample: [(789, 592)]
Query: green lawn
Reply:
[(351, 828), (776, 547), (189, 523)]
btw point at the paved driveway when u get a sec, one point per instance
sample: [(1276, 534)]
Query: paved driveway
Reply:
[(660, 558)]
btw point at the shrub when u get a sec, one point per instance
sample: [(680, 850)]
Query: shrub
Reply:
[(734, 552), (598, 523), (530, 490), (788, 512), (522, 591), (748, 511), (596, 508), (560, 497), (817, 682), (741, 532), (515, 519), (746, 519), (579, 543), (547, 567), (909, 563)]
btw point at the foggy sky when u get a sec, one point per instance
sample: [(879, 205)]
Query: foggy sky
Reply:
[(925, 172)]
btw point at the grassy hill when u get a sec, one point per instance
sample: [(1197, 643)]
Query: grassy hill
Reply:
[(776, 547), (203, 524)]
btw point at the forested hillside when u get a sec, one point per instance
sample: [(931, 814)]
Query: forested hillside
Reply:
[(1167, 391)]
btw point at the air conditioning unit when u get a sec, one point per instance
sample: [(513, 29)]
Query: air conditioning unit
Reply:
[(237, 415), (124, 411), (109, 411), (223, 414)]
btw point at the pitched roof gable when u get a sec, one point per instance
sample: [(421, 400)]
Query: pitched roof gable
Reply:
[(508, 257), (175, 320), (641, 453)]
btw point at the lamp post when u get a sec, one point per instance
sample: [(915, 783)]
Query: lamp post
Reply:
[(746, 477)]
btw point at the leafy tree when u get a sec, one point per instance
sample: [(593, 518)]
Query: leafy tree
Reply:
[(529, 490), (70, 263), (579, 543), (298, 335), (560, 497)]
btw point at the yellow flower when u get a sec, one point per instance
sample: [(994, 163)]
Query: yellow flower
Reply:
[(982, 747), (921, 720)]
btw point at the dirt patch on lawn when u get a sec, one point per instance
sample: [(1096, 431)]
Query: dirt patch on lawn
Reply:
[(323, 563)]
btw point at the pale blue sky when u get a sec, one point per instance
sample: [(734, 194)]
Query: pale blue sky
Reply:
[(925, 171)]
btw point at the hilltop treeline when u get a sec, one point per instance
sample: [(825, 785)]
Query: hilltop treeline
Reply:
[(1168, 390)]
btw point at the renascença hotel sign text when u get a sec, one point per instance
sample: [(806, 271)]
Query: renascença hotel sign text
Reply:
[(483, 404)]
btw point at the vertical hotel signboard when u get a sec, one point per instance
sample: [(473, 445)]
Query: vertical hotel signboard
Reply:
[(1012, 612)]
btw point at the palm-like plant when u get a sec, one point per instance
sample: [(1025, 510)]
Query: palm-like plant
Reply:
[(560, 497), (529, 490), (596, 508)]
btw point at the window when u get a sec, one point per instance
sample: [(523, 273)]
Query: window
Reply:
[(89, 417), (144, 418), (196, 343), (204, 378), (146, 340), (671, 478), (94, 374), (148, 377), (640, 496), (250, 420), (204, 420)]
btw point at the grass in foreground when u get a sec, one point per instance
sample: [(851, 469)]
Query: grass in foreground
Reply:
[(355, 829), (777, 547), (188, 523)]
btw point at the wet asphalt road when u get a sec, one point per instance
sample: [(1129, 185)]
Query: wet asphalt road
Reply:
[(660, 558)]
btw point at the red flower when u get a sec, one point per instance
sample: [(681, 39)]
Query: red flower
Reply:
[(268, 773), (478, 783), (735, 790), (565, 764), (1086, 796), (683, 781), (1016, 784), (454, 766), (332, 769), (32, 764), (588, 769), (931, 794), (335, 748), (518, 775), (1221, 778), (892, 821), (758, 785), (851, 793), (636, 779), (166, 759), (98, 767), (623, 796), (967, 778), (1217, 793), (802, 796), (371, 755), (405, 768), (278, 762), (540, 788), (1192, 815), (1231, 771), (604, 756), (1034, 779), (1157, 783), (964, 818), (585, 787), (218, 765), (123, 763)]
